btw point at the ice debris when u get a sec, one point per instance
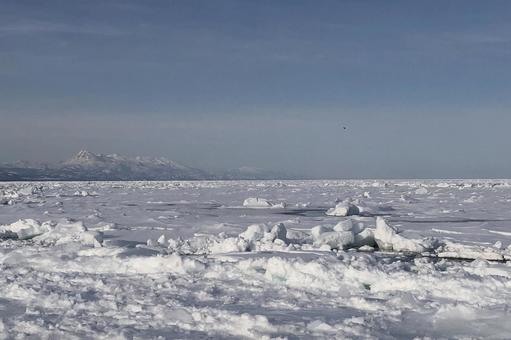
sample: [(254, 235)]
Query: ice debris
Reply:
[(51, 233), (344, 208), (24, 229), (387, 238), (11, 196), (255, 202), (355, 232), (350, 233), (421, 191), (463, 251)]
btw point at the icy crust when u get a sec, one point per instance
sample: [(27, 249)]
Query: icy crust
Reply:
[(51, 233)]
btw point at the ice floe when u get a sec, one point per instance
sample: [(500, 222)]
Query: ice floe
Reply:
[(255, 202), (344, 208)]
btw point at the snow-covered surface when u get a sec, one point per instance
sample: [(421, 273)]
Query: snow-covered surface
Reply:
[(197, 260)]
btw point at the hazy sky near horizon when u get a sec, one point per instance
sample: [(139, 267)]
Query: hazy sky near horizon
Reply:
[(423, 87)]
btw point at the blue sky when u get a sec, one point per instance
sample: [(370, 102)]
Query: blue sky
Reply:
[(422, 86)]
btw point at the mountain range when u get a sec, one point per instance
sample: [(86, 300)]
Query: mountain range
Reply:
[(88, 166)]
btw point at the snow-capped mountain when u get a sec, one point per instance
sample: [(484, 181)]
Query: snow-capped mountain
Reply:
[(116, 167), (89, 166), (86, 158)]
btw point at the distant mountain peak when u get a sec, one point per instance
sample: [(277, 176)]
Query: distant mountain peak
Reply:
[(84, 154), (84, 157)]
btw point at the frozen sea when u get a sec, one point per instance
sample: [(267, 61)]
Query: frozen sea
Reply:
[(195, 260)]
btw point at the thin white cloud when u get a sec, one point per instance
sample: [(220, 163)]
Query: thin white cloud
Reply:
[(482, 38), (43, 27)]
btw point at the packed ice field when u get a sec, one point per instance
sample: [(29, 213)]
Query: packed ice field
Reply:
[(256, 259)]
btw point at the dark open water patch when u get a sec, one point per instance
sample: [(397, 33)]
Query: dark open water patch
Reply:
[(305, 212)]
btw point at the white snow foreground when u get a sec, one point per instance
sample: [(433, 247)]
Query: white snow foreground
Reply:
[(51, 233), (107, 294), (213, 270)]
